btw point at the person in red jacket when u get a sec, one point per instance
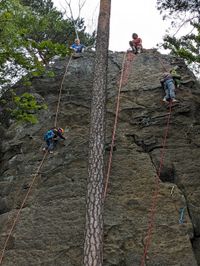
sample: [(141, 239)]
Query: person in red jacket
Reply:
[(136, 44)]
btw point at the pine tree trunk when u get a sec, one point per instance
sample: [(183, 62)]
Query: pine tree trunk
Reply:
[(93, 246)]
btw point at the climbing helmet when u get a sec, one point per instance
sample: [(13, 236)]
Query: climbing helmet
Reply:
[(61, 130)]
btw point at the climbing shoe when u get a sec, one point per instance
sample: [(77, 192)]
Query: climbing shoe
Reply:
[(174, 100), (164, 100)]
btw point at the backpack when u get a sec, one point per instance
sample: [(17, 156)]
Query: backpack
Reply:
[(49, 134)]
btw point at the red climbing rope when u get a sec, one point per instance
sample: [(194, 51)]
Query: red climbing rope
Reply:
[(127, 66), (20, 209), (156, 191), (128, 57)]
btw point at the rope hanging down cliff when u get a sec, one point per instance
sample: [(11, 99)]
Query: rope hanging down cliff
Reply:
[(157, 185), (21, 207), (60, 91), (36, 173), (156, 191), (127, 59)]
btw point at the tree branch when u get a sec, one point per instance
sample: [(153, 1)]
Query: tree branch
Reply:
[(184, 22), (80, 7)]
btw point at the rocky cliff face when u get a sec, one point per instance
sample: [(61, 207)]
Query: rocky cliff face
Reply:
[(50, 229)]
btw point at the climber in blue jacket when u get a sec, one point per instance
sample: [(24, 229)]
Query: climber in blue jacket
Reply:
[(51, 137), (77, 46)]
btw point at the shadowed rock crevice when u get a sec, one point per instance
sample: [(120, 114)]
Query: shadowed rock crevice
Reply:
[(4, 206), (196, 247), (146, 144), (167, 172)]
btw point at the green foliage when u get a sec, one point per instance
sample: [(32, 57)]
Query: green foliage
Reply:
[(22, 108), (174, 6), (41, 6), (183, 13), (32, 32), (25, 107)]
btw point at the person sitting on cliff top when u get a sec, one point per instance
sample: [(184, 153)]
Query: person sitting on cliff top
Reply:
[(51, 137), (168, 84), (77, 46), (136, 44)]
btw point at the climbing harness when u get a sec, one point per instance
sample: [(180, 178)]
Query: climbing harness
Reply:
[(127, 59), (156, 192), (35, 175)]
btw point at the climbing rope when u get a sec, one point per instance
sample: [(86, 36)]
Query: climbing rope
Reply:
[(128, 63), (37, 172), (60, 91), (21, 207), (162, 64), (165, 69), (156, 191), (128, 57)]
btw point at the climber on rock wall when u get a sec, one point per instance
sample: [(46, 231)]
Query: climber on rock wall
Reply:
[(168, 82), (51, 137)]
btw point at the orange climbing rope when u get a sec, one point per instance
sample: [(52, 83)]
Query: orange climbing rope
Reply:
[(156, 192), (60, 91), (36, 174), (20, 209), (161, 62), (127, 59)]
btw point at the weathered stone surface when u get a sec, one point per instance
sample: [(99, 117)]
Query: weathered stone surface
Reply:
[(50, 230)]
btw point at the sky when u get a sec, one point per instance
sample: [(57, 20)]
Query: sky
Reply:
[(127, 16)]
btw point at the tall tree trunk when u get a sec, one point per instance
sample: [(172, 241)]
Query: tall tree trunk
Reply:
[(93, 246)]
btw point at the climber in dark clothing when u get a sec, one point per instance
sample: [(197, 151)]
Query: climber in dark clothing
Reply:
[(51, 137), (168, 84)]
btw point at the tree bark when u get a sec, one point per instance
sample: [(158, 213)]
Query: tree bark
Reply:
[(93, 246)]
